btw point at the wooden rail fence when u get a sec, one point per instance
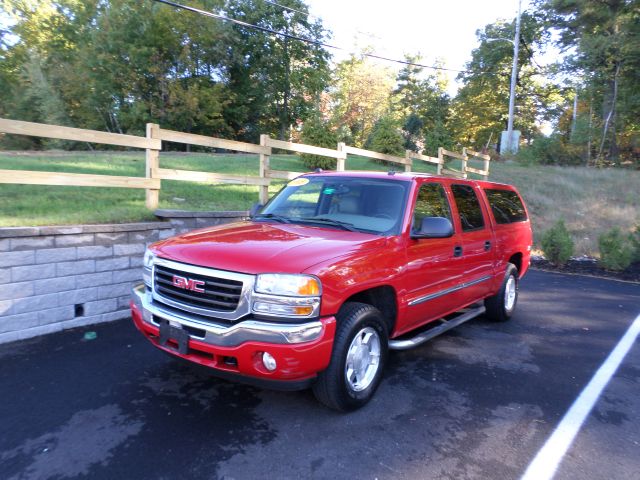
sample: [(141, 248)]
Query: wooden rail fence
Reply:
[(152, 144)]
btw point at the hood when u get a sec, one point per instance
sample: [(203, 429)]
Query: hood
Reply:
[(249, 247)]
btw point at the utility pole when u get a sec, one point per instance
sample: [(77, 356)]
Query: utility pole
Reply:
[(506, 142), (514, 76), (284, 121), (574, 115)]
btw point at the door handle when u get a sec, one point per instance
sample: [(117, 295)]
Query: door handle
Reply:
[(457, 251), (487, 246)]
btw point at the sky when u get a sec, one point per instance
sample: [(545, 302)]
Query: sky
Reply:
[(444, 29)]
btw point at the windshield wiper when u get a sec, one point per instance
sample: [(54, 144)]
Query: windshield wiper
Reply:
[(330, 221), (273, 216)]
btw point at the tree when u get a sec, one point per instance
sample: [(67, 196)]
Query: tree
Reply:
[(276, 81), (410, 92), (481, 106), (318, 132), (148, 63), (605, 39), (386, 137), (116, 64), (413, 132), (360, 97), (35, 48), (424, 107)]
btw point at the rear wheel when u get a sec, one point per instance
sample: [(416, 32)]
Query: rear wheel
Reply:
[(501, 306), (357, 361)]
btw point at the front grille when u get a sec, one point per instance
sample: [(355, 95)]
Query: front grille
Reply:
[(220, 294)]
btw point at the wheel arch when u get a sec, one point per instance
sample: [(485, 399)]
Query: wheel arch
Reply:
[(384, 298), (516, 259)]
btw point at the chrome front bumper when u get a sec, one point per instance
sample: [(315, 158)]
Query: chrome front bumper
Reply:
[(223, 335)]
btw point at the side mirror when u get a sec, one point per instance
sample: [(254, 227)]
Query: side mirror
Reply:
[(255, 208), (434, 227)]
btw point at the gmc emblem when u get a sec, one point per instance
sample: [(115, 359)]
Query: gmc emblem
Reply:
[(188, 284)]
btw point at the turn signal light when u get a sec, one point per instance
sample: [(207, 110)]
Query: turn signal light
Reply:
[(309, 288), (303, 310)]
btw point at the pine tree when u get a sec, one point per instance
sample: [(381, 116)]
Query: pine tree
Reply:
[(386, 137), (317, 132)]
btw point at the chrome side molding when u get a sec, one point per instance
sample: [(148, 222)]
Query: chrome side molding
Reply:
[(431, 296)]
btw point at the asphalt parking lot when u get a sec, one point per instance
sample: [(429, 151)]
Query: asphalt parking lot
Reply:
[(477, 402)]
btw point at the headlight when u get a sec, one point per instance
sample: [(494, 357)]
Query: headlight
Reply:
[(147, 265), (148, 259), (285, 295), (286, 284)]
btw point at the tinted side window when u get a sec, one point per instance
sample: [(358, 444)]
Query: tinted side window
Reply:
[(468, 207), (431, 202), (506, 206)]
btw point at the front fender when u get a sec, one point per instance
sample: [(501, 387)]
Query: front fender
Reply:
[(343, 277)]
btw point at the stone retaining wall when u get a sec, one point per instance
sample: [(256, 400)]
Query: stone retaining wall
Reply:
[(52, 278)]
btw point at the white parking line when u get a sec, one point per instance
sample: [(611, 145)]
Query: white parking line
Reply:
[(546, 462)]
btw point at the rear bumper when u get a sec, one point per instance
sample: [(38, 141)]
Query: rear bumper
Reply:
[(235, 352)]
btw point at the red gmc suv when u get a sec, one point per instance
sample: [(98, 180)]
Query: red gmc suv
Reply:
[(338, 268)]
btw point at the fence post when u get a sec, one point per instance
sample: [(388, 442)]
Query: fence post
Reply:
[(485, 167), (152, 163), (340, 162), (464, 162), (409, 160), (264, 169), (440, 161)]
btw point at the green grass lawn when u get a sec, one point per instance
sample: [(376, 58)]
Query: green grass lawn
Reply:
[(591, 201), (48, 205)]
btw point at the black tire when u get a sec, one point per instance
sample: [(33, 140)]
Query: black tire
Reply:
[(497, 309), (332, 387)]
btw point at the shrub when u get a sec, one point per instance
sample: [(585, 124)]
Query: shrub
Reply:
[(635, 243), (386, 138), (316, 132), (412, 131), (550, 151), (557, 244), (616, 250), (438, 136)]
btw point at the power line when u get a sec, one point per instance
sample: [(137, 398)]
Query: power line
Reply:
[(311, 41), (366, 34), (531, 55), (288, 8), (308, 14)]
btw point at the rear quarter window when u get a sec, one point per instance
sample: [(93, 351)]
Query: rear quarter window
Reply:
[(469, 210), (506, 206)]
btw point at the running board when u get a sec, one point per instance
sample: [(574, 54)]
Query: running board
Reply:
[(435, 331)]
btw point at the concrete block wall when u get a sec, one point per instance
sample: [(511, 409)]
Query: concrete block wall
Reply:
[(53, 278)]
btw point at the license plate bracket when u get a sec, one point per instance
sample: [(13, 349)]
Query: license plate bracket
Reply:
[(179, 336)]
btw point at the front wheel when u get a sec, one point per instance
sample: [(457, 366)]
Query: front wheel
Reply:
[(501, 306), (357, 361)]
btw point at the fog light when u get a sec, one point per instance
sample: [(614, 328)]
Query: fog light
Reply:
[(268, 361)]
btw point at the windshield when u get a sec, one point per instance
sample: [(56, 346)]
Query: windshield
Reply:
[(367, 205)]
